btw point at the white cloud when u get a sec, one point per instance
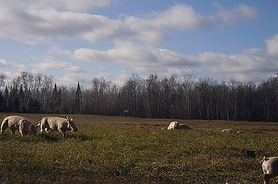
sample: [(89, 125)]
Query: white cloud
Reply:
[(68, 74), (243, 64), (50, 63), (121, 78), (272, 46), (253, 52), (234, 16), (11, 69), (132, 54), (4, 63), (154, 29), (144, 60), (68, 5), (71, 79), (34, 26), (103, 74), (31, 24), (55, 49), (180, 17)]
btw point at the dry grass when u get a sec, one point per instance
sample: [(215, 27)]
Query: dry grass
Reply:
[(133, 150)]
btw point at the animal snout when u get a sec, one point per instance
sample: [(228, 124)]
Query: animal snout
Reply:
[(74, 129)]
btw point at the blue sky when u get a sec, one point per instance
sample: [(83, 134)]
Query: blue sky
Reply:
[(113, 39)]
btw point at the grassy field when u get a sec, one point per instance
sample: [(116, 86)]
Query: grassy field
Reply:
[(133, 150)]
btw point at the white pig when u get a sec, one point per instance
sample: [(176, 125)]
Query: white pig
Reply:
[(23, 125), (58, 124), (270, 168)]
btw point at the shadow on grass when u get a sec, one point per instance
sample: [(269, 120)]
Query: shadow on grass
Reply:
[(6, 136), (29, 138), (78, 137), (50, 137)]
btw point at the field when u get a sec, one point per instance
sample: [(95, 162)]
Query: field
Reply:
[(133, 150)]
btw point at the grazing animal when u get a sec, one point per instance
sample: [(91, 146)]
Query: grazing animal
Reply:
[(23, 125), (270, 168), (227, 130), (58, 124), (174, 125)]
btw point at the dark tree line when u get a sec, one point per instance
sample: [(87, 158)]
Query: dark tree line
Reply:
[(154, 97)]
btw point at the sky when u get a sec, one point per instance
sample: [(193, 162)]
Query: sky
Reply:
[(114, 39)]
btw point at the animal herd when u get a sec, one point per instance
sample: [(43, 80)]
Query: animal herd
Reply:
[(269, 164), (25, 127)]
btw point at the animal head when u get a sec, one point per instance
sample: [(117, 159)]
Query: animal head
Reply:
[(33, 129), (71, 125), (173, 125)]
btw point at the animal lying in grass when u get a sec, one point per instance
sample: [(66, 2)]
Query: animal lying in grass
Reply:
[(58, 124), (23, 125), (175, 125), (270, 168)]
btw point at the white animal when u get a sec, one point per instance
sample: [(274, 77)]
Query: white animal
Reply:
[(174, 125), (23, 125), (270, 168), (58, 124), (227, 130)]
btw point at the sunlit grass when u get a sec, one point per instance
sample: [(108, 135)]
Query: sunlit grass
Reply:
[(133, 150)]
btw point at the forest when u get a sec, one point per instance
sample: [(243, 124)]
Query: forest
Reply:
[(172, 97)]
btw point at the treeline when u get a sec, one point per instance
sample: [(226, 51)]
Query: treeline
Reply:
[(154, 97)]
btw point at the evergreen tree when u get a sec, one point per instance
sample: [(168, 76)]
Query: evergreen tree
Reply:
[(2, 102), (56, 100), (6, 100), (78, 99)]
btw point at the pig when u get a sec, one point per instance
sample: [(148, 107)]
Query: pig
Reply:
[(270, 168), (175, 125), (228, 130), (23, 125), (58, 124)]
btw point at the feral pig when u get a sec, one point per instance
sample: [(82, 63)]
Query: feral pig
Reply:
[(270, 168), (58, 124), (174, 125), (23, 125)]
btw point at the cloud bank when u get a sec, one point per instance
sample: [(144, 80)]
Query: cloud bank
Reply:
[(26, 22), (136, 39)]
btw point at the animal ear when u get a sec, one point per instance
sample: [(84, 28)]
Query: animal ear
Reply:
[(31, 126)]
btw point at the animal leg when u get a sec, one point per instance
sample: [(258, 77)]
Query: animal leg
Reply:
[(4, 126), (21, 128), (62, 132), (266, 178)]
